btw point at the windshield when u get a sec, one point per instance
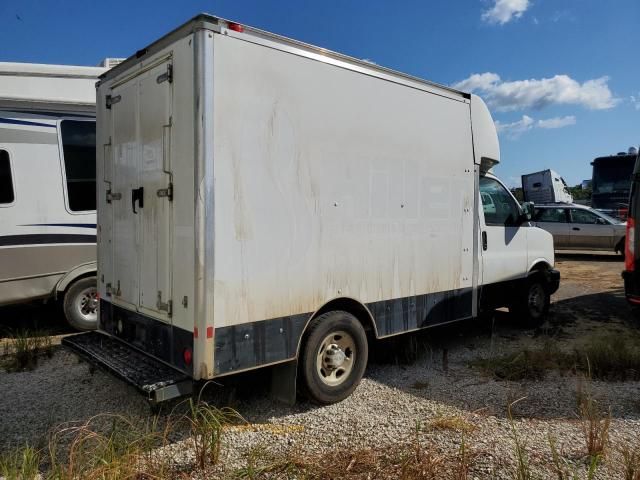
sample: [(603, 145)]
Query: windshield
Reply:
[(613, 175)]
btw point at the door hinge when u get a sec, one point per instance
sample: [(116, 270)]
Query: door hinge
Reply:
[(166, 192), (166, 76), (164, 306), (112, 100), (113, 196)]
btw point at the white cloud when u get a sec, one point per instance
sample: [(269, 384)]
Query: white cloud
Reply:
[(478, 81), (557, 122), (538, 93), (635, 100), (503, 11), (515, 129)]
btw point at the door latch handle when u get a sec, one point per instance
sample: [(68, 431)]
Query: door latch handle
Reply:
[(137, 195), (484, 240), (576, 229)]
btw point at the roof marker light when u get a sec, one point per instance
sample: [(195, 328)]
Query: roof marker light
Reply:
[(236, 27)]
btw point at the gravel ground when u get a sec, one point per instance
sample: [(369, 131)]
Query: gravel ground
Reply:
[(392, 400)]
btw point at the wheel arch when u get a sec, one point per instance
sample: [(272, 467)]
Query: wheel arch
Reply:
[(345, 304), (539, 265), (76, 273)]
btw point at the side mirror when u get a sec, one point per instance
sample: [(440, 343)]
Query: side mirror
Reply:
[(527, 209), (601, 221)]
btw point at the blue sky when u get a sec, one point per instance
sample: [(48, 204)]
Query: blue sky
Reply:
[(562, 77)]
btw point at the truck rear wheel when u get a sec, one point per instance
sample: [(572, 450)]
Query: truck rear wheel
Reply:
[(334, 357), (533, 302), (80, 304)]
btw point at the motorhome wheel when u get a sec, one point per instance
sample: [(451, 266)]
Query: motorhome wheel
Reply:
[(81, 304)]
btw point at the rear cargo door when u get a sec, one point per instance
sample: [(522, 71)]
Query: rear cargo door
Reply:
[(142, 177), (155, 94)]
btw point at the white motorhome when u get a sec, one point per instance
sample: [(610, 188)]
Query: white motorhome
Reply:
[(265, 202), (47, 187), (545, 186)]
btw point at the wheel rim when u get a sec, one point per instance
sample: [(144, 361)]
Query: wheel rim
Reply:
[(536, 300), (86, 304), (335, 358)]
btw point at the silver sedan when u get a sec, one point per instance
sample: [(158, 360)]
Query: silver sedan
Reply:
[(577, 227)]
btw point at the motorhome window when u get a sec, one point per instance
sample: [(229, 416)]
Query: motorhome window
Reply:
[(553, 215), (79, 148), (497, 204), (6, 181)]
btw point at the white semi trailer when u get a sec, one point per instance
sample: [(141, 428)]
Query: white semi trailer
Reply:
[(265, 202), (545, 186)]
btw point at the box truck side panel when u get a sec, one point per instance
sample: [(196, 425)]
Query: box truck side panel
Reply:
[(331, 183)]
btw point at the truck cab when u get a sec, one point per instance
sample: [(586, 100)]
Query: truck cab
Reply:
[(517, 257)]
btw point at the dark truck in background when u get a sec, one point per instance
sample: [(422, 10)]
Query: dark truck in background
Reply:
[(611, 183), (631, 273)]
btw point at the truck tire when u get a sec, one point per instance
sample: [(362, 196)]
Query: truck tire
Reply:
[(80, 304), (333, 357), (532, 304)]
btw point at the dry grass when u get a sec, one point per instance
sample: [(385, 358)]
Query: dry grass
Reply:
[(522, 469), (406, 461), (454, 423), (610, 357), (109, 447), (594, 420), (528, 364), (23, 349), (206, 423), (630, 462), (113, 447)]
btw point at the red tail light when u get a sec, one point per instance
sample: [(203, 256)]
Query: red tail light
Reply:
[(187, 357), (630, 246)]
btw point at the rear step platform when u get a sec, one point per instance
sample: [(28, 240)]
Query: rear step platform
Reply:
[(154, 378)]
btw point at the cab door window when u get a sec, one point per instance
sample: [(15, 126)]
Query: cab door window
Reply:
[(497, 204)]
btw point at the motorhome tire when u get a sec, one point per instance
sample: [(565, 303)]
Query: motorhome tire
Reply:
[(532, 305), (80, 304), (333, 357)]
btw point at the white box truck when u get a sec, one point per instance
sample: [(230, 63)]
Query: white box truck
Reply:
[(265, 202), (47, 187), (545, 186)]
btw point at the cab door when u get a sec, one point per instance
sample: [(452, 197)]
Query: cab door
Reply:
[(142, 191), (503, 237)]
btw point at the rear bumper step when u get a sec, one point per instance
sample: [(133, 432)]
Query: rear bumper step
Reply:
[(154, 378)]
